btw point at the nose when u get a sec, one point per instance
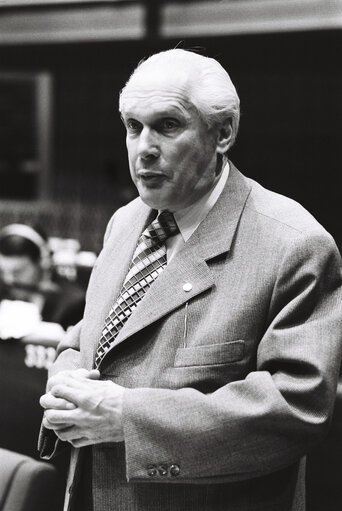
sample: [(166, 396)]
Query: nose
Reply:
[(148, 148)]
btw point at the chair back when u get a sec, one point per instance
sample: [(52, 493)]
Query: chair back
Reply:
[(25, 484)]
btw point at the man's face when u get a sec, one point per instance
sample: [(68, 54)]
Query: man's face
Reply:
[(172, 153), (19, 270)]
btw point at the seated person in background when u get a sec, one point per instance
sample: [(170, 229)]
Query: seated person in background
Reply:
[(25, 274)]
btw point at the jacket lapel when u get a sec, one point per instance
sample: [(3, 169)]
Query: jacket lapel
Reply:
[(127, 230), (213, 237), (113, 263)]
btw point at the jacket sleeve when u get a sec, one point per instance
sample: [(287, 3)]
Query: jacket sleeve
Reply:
[(271, 418)]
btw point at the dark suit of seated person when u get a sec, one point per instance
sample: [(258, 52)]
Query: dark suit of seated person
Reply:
[(25, 272)]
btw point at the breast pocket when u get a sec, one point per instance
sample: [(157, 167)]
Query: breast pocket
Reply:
[(210, 354)]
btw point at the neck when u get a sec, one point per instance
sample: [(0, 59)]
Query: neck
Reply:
[(222, 160)]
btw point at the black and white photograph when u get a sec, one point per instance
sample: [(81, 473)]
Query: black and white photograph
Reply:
[(170, 255)]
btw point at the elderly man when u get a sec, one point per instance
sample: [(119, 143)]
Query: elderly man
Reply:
[(205, 367)]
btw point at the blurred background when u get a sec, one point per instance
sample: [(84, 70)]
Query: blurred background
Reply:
[(63, 163)]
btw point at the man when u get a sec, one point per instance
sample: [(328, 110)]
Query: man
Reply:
[(215, 375)]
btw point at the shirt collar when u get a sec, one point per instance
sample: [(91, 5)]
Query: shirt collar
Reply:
[(188, 219)]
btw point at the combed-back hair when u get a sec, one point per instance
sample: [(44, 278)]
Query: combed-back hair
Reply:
[(211, 90)]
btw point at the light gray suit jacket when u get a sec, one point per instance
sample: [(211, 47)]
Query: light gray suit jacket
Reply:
[(229, 384)]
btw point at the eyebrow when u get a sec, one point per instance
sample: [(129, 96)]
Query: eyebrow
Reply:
[(161, 114)]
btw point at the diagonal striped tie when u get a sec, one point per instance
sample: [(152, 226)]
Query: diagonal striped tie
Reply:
[(148, 262)]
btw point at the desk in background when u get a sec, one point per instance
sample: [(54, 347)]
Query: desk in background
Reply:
[(23, 374)]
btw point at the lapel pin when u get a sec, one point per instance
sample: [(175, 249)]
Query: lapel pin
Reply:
[(187, 287)]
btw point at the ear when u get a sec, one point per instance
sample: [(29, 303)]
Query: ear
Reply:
[(224, 136)]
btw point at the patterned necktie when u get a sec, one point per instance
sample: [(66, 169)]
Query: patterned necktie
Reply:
[(148, 262)]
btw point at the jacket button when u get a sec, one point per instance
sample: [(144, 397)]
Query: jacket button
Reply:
[(174, 470), (152, 471), (162, 469)]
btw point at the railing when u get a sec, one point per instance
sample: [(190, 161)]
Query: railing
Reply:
[(61, 21)]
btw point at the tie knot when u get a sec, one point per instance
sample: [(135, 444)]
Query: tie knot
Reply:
[(162, 227)]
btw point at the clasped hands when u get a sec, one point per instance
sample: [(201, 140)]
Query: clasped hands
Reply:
[(82, 409)]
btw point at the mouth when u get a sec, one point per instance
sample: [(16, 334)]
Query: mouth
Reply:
[(151, 178)]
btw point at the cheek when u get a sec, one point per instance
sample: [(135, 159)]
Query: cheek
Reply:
[(130, 150), (181, 155), (192, 160), (131, 163)]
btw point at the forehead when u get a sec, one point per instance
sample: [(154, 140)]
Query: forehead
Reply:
[(149, 91)]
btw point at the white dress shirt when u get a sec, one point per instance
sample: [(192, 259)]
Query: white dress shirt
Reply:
[(188, 219)]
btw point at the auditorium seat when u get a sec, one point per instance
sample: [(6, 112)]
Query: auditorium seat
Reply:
[(25, 484)]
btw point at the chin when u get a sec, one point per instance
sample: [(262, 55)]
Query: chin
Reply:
[(154, 204), (151, 198)]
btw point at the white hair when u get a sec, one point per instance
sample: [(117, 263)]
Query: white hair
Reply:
[(211, 90)]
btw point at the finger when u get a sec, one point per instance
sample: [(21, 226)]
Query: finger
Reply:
[(76, 384), (49, 401), (46, 423), (70, 375), (55, 427), (68, 393), (60, 417), (74, 435), (59, 377), (68, 433)]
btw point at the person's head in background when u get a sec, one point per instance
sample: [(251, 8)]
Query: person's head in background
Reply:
[(24, 260)]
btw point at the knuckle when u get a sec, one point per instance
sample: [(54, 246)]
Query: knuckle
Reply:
[(50, 384), (49, 415), (66, 372), (58, 403), (57, 390)]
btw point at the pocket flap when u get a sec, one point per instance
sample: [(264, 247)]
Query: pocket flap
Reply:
[(210, 354)]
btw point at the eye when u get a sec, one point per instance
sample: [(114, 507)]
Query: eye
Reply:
[(170, 124), (133, 126)]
